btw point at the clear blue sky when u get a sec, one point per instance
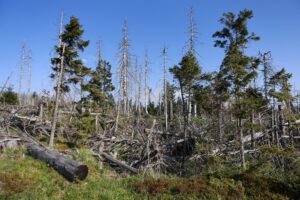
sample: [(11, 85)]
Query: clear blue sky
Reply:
[(152, 24)]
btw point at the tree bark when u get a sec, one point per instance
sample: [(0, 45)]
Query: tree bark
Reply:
[(69, 169), (57, 97), (252, 130), (119, 163), (243, 163)]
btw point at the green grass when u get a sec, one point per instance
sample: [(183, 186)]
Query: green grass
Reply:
[(22, 177)]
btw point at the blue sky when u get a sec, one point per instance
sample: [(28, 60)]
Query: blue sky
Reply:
[(152, 24)]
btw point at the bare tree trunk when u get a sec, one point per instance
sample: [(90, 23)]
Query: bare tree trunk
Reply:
[(21, 72), (58, 84), (192, 31), (118, 115), (57, 97), (266, 70), (220, 121), (124, 64), (29, 77), (136, 84), (96, 123), (146, 86), (139, 93), (243, 163), (189, 109), (159, 103), (252, 129), (171, 109), (148, 140), (165, 88), (41, 110)]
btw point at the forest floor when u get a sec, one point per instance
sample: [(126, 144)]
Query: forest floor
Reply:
[(22, 177)]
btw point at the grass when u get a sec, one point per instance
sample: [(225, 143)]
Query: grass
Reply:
[(22, 177)]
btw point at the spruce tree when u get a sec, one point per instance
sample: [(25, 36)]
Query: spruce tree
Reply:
[(237, 68), (281, 87), (74, 68), (187, 73), (100, 85)]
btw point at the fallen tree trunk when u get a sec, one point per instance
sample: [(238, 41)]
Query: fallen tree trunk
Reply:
[(70, 169), (256, 135), (119, 163)]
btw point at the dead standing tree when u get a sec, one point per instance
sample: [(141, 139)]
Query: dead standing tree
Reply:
[(21, 71), (146, 66), (192, 43), (57, 97), (29, 62), (164, 54), (123, 70), (58, 84)]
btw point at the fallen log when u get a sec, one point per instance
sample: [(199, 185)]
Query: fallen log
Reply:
[(256, 135), (70, 169), (119, 163), (32, 119)]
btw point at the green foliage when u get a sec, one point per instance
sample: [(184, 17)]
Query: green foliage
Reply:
[(204, 98), (82, 127), (237, 69), (187, 72), (74, 69), (281, 79), (100, 86), (9, 97)]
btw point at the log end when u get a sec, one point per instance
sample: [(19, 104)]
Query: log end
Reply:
[(81, 172)]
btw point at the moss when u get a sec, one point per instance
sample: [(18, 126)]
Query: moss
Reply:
[(257, 187), (198, 187), (23, 177)]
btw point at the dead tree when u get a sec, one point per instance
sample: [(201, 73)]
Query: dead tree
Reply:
[(21, 71), (136, 84), (164, 53), (139, 90), (57, 97), (146, 65), (192, 31), (58, 84), (192, 43), (5, 84), (29, 57), (266, 57), (123, 70)]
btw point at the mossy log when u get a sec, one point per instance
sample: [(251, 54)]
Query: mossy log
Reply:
[(69, 169)]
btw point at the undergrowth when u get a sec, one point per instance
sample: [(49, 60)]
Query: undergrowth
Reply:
[(22, 177)]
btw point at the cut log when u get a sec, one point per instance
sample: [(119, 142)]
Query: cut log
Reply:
[(69, 169)]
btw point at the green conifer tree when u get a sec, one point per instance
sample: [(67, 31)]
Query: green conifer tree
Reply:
[(237, 68)]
